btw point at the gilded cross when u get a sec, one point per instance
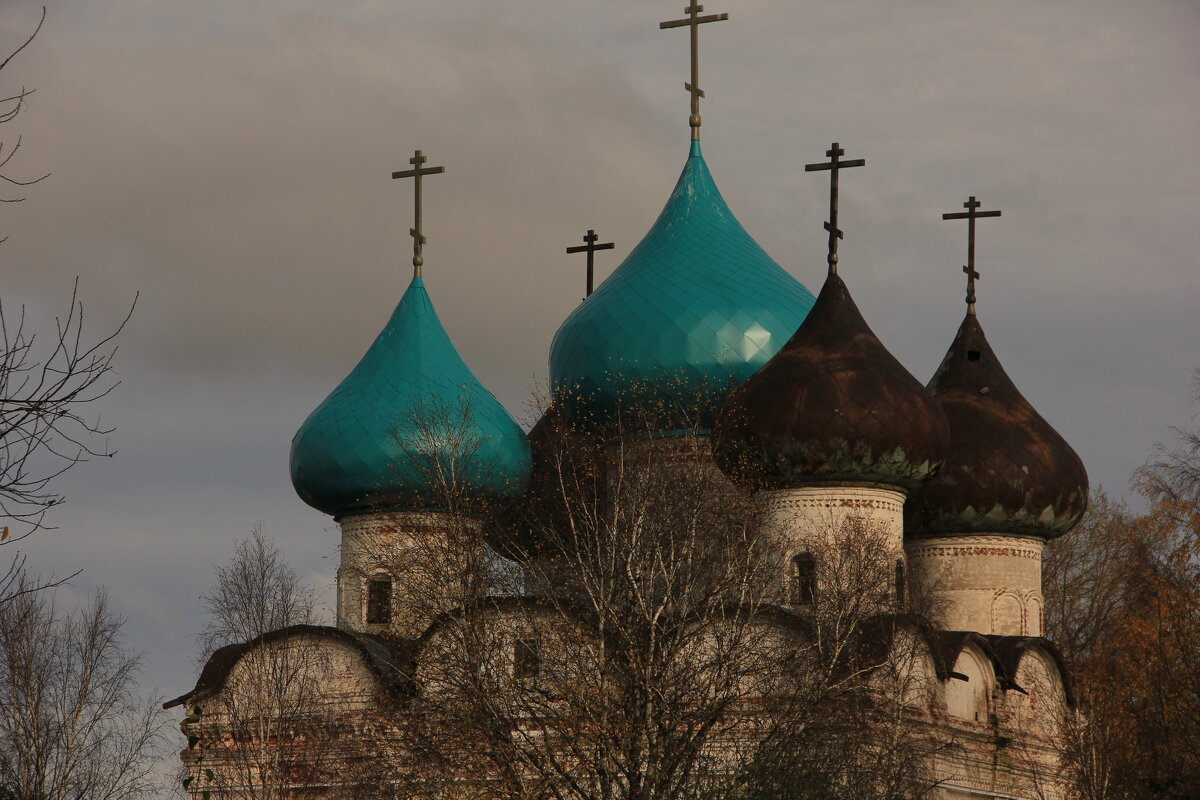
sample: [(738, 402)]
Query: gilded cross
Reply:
[(590, 247), (694, 21), (834, 165), (970, 215), (416, 172)]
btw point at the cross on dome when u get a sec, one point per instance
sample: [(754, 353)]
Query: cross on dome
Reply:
[(694, 21), (416, 173), (834, 165), (590, 247), (970, 215)]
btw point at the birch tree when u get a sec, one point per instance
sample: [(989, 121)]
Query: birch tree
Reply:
[(72, 725)]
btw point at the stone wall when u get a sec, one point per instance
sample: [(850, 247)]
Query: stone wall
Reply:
[(990, 583)]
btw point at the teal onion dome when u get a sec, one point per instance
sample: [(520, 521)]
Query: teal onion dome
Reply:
[(407, 422), (690, 314)]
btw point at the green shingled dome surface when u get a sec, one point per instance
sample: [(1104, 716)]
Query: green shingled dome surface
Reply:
[(693, 311), (410, 405)]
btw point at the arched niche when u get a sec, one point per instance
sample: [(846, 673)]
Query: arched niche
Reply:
[(1034, 621), (1008, 615), (971, 699), (1039, 706)]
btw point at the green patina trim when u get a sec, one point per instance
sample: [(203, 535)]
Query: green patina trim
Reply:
[(842, 461), (1045, 523)]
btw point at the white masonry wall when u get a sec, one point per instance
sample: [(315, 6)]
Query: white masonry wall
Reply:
[(989, 583), (424, 554), (836, 523)]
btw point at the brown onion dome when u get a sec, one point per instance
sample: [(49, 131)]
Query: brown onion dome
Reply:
[(833, 405), (1007, 470)]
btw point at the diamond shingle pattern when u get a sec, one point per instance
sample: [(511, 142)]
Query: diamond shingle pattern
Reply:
[(411, 406), (693, 310), (1007, 470)]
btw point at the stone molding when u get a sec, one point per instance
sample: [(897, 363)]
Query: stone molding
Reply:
[(976, 545), (852, 498)]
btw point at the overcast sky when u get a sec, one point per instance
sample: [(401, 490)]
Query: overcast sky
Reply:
[(231, 162)]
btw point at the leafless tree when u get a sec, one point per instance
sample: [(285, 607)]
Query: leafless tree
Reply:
[(47, 422), (45, 392), (853, 701), (652, 650), (269, 719), (653, 657), (255, 593), (1084, 576), (11, 108), (71, 723), (1172, 474)]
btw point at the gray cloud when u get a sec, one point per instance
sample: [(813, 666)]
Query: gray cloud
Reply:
[(231, 162)]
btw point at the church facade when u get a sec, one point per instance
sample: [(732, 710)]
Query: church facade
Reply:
[(889, 532)]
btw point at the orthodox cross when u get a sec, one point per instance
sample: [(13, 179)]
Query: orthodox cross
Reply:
[(694, 21), (970, 215), (416, 172), (835, 153), (590, 247)]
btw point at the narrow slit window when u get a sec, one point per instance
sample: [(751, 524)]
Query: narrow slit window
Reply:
[(526, 660), (900, 582), (379, 601), (804, 580)]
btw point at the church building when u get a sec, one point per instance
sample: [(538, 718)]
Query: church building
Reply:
[(698, 361)]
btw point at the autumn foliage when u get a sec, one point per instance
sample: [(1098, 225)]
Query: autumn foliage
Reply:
[(1123, 596)]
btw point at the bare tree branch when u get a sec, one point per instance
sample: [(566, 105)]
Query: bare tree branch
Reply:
[(10, 108), (45, 399), (71, 724)]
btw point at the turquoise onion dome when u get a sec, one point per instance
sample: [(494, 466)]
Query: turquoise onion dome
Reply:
[(691, 313), (410, 410)]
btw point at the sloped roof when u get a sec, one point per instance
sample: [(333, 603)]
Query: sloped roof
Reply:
[(382, 656)]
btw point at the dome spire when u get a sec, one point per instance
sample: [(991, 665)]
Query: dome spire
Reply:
[(416, 172), (834, 165), (970, 215), (694, 21)]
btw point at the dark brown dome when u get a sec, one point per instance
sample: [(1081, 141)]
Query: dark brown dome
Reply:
[(832, 405), (564, 466), (1008, 471)]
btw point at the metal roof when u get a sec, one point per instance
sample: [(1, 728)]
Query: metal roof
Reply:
[(693, 310), (410, 408)]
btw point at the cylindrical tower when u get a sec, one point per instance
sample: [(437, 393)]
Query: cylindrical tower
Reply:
[(833, 432), (976, 532)]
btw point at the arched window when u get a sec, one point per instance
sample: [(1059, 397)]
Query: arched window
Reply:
[(379, 601), (900, 583), (804, 579)]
